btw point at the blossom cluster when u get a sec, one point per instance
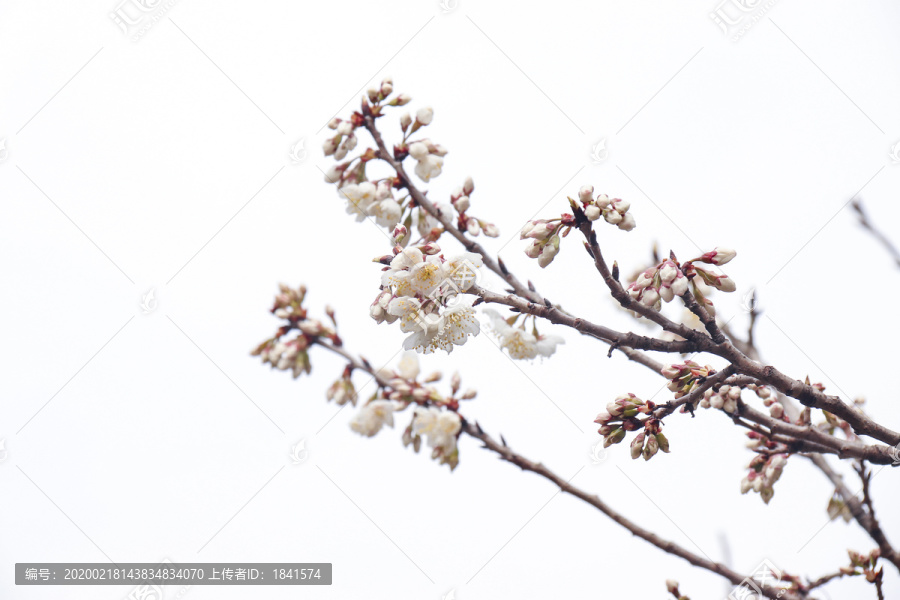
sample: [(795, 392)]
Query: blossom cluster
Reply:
[(668, 279), (434, 415), (293, 354), (520, 343), (545, 235), (864, 564), (614, 211), (684, 377), (422, 291), (765, 470), (375, 199), (660, 283), (621, 416), (724, 398)]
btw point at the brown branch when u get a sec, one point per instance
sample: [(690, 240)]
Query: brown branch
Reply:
[(621, 296), (508, 455), (554, 315), (876, 233), (421, 200)]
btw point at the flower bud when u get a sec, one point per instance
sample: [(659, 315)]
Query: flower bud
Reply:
[(671, 371), (534, 248), (551, 249), (720, 256), (613, 217), (405, 121), (592, 213), (602, 201), (776, 410), (651, 447), (637, 445), (468, 186), (401, 100), (462, 204), (585, 193), (628, 223), (614, 438), (418, 150), (425, 115)]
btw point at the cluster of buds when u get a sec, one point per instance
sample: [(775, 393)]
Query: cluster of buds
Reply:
[(374, 198), (622, 416), (292, 354), (545, 237), (669, 279), (769, 400), (546, 234), (724, 398), (460, 199), (342, 390), (422, 290), (765, 470), (684, 377), (660, 283), (615, 211), (520, 343), (672, 588), (864, 564)]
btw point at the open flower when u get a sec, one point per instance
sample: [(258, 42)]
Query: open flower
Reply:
[(372, 417), (519, 343)]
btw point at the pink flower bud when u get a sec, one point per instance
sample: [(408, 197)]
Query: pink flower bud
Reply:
[(651, 447), (333, 124), (725, 283), (671, 371), (720, 256), (401, 100), (490, 230), (329, 146), (585, 193), (603, 417), (777, 411), (621, 206), (602, 201), (672, 587), (462, 204), (400, 232), (405, 121), (472, 226), (637, 445), (468, 186), (533, 250)]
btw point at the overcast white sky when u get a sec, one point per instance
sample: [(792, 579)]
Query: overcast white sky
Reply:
[(163, 164)]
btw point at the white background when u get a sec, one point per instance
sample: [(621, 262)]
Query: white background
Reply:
[(164, 164)]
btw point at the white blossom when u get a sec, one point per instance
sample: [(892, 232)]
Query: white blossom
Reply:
[(372, 417), (425, 115)]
